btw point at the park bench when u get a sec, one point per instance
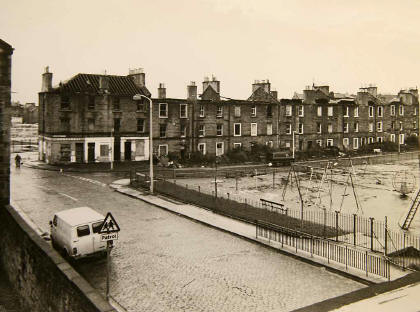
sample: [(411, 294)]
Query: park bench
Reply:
[(273, 206)]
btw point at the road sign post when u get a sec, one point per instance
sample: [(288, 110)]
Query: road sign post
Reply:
[(109, 233), (108, 267)]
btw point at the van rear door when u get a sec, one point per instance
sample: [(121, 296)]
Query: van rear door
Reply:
[(97, 244), (83, 240)]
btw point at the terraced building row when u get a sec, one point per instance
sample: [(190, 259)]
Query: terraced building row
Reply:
[(95, 118)]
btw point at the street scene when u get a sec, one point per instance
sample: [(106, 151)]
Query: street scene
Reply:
[(164, 262), (209, 156)]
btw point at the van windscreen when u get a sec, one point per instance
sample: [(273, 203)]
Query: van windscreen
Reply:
[(96, 227), (83, 230)]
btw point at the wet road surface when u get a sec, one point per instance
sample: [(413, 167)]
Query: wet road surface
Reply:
[(164, 262)]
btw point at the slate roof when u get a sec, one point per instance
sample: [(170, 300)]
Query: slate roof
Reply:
[(89, 83), (260, 95), (6, 46)]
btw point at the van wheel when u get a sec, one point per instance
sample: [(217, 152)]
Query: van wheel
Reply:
[(54, 244), (65, 254)]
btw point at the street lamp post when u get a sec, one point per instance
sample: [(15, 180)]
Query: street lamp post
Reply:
[(293, 144), (138, 97), (399, 138), (111, 150)]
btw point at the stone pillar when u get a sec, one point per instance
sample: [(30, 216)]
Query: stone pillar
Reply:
[(6, 52)]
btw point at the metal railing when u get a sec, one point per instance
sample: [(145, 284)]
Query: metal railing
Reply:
[(327, 249)]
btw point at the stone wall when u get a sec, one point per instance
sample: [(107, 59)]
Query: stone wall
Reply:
[(43, 279)]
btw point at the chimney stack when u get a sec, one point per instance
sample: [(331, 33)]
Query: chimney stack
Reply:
[(274, 94), (46, 80), (161, 91), (214, 83), (103, 83), (192, 91), (138, 76)]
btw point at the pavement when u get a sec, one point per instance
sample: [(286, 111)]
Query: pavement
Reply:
[(245, 230)]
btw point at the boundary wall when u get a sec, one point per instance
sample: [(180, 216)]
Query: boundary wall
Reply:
[(41, 277)]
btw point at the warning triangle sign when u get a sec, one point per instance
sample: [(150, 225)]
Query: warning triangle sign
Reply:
[(109, 225)]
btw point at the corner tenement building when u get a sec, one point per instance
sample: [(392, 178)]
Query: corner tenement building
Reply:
[(94, 118)]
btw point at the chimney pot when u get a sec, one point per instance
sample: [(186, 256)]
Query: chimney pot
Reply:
[(192, 91), (103, 83), (138, 76), (161, 91)]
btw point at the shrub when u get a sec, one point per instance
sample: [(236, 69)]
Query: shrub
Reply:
[(174, 156), (412, 140), (237, 155)]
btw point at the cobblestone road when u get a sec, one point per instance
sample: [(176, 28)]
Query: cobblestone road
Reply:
[(163, 262)]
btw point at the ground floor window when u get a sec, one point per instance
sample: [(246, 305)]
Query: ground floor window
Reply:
[(163, 150), (65, 152), (237, 145), (219, 148), (346, 142), (379, 139), (202, 148), (319, 142), (330, 142), (392, 137), (104, 150), (370, 140), (140, 148), (402, 138), (269, 144), (355, 143)]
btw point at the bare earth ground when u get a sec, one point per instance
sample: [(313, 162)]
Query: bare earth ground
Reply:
[(373, 185)]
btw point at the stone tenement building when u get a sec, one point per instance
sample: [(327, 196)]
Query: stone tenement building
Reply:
[(6, 52), (92, 118), (95, 118)]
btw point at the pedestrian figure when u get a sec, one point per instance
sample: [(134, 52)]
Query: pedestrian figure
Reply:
[(110, 225), (18, 160)]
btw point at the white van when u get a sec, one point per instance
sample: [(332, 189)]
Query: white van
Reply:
[(75, 232)]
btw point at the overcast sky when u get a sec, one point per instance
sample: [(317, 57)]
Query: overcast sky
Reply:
[(341, 43)]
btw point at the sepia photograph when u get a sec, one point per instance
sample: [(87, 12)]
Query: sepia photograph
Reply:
[(209, 156)]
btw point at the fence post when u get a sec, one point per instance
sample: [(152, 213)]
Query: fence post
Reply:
[(328, 251), (371, 232), (366, 256), (336, 225), (236, 183), (174, 174), (256, 228), (312, 246), (324, 230), (199, 189), (228, 195), (346, 257), (389, 270), (403, 257), (296, 243), (282, 240), (386, 236)]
